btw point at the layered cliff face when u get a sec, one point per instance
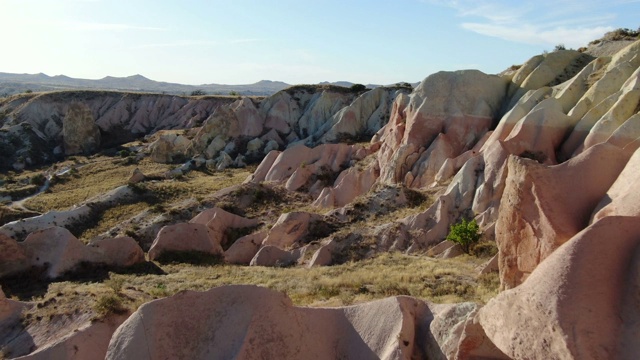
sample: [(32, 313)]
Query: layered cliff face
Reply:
[(33, 125)]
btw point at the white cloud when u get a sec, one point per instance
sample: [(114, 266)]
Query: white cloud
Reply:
[(544, 22), (530, 34)]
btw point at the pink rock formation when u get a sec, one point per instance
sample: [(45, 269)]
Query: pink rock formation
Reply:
[(248, 322), (290, 228), (57, 251), (90, 341), (350, 184), (219, 220), (434, 109), (9, 310), (120, 252), (623, 198), (327, 156), (245, 248), (579, 303), (185, 237), (540, 132), (324, 255), (459, 335), (541, 209), (270, 255), (54, 249), (12, 256)]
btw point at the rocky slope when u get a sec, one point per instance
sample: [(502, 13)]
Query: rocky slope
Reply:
[(545, 158)]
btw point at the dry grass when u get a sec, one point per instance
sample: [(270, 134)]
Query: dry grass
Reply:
[(388, 274), (97, 176)]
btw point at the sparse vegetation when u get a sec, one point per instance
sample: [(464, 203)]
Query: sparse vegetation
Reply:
[(388, 274), (109, 304), (38, 179), (465, 233), (198, 92), (357, 88)]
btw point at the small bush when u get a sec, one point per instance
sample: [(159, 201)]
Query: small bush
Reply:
[(38, 179), (464, 233), (115, 283), (357, 88), (109, 304)]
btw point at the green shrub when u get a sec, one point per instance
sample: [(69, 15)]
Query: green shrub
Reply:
[(357, 88), (109, 304), (464, 233), (38, 179)]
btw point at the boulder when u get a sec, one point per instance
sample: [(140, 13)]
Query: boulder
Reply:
[(80, 134), (119, 252), (136, 177), (219, 220), (324, 255), (55, 250), (169, 148), (90, 341), (12, 256), (350, 184), (10, 311), (216, 145), (459, 335), (541, 209), (245, 248), (579, 303), (223, 161), (290, 228), (254, 146), (270, 146), (248, 322), (270, 255), (240, 161), (185, 237)]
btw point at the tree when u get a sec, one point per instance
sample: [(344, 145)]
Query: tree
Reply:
[(464, 233), (198, 92), (560, 47), (358, 88)]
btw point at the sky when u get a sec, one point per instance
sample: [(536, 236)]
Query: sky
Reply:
[(295, 41)]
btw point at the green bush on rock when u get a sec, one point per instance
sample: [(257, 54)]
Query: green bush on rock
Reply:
[(464, 233)]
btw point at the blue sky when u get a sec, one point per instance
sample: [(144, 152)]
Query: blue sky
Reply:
[(244, 41)]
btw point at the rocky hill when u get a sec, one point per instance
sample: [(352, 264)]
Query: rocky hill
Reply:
[(11, 84), (544, 157)]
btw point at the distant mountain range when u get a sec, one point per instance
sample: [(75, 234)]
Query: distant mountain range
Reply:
[(19, 83)]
